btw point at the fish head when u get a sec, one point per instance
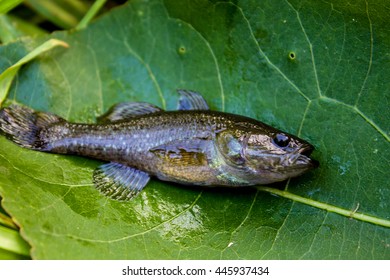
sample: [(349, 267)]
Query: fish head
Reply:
[(266, 156)]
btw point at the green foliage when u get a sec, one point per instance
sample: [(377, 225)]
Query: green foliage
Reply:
[(10, 241), (8, 75), (63, 13), (334, 93), (12, 28), (7, 5)]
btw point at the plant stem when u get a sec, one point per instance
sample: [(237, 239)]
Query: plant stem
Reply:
[(10, 240), (330, 208), (6, 6), (91, 14), (7, 221)]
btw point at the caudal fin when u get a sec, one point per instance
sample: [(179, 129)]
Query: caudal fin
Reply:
[(23, 126)]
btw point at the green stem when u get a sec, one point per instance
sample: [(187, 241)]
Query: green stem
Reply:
[(91, 14), (10, 240), (7, 221), (6, 6), (330, 208)]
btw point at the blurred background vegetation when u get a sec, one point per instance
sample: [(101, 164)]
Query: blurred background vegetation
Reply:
[(20, 18), (31, 18)]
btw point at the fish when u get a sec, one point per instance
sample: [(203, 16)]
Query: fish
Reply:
[(191, 146)]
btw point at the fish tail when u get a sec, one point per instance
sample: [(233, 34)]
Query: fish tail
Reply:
[(23, 126)]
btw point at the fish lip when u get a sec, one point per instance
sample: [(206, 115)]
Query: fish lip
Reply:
[(304, 156), (306, 150)]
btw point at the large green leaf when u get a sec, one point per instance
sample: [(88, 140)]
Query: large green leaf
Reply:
[(316, 69)]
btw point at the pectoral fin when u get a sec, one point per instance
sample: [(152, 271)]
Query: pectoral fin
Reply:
[(185, 152), (119, 182), (127, 110), (191, 100)]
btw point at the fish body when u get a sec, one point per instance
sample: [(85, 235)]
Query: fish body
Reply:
[(193, 146)]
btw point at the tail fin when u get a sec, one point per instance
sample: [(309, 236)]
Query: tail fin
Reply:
[(23, 126)]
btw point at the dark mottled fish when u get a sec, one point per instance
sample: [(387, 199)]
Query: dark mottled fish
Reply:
[(194, 145)]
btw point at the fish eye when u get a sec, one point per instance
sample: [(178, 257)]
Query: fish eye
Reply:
[(281, 140)]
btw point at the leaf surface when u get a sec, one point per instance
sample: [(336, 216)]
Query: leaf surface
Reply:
[(315, 69)]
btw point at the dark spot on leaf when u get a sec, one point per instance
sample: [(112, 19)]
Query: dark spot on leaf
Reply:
[(292, 56), (261, 34), (47, 227), (181, 50)]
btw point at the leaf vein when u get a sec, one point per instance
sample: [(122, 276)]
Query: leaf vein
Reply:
[(99, 80), (360, 113), (68, 87), (277, 234), (315, 236), (310, 47), (150, 72), (242, 223), (371, 56), (43, 181), (277, 69), (133, 235), (215, 60)]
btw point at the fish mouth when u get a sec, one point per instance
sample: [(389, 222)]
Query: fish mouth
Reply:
[(303, 158)]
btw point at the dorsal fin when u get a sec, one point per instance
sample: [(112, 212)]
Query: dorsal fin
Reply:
[(127, 110), (191, 100)]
